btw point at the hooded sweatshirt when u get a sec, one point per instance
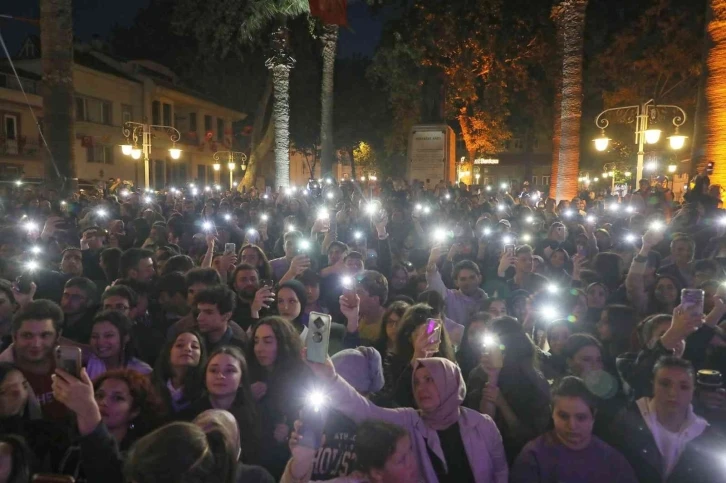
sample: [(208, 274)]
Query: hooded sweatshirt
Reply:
[(460, 308), (671, 445)]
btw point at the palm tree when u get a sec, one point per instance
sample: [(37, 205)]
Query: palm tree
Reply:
[(56, 42), (330, 43), (716, 92), (569, 15)]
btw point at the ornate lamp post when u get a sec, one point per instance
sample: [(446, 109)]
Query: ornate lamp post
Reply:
[(231, 163), (642, 115), (138, 143)]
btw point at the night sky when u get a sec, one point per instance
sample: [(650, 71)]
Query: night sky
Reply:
[(99, 16)]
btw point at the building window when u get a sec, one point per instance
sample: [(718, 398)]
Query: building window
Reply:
[(127, 113), (207, 124), (545, 180), (220, 129), (507, 145), (534, 180), (518, 144), (93, 110), (10, 128), (156, 112), (100, 154), (193, 121), (167, 114)]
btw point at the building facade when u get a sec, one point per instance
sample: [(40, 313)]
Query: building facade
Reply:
[(109, 93)]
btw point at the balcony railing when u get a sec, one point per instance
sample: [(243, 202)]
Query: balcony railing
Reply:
[(9, 81), (19, 147)]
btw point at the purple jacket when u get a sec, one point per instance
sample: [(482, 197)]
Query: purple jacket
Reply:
[(479, 434), (459, 307), (546, 460)]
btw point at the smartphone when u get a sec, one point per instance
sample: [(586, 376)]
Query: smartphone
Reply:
[(581, 250), (267, 283), (433, 330), (509, 249), (48, 478), (692, 301), (230, 248), (302, 247), (318, 337), (69, 359), (313, 419)]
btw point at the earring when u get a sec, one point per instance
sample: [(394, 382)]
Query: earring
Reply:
[(131, 426)]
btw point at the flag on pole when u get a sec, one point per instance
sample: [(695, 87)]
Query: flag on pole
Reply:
[(330, 11)]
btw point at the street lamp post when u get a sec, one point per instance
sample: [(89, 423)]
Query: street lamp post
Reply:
[(137, 131), (643, 114), (231, 163)]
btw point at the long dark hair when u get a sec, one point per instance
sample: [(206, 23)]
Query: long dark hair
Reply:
[(264, 270), (413, 318), (288, 348), (20, 459), (622, 321), (396, 308), (243, 407), (194, 377), (123, 326)]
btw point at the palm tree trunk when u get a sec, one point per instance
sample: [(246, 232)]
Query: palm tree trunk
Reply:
[(716, 92), (556, 124), (280, 64), (263, 134), (56, 40), (570, 18), (330, 42)]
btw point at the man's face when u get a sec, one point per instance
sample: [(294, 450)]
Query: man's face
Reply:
[(34, 341), (74, 300), (498, 308), (247, 283), (681, 251), (210, 320), (524, 263), (644, 185), (117, 303), (672, 391), (71, 263), (468, 281), (312, 292), (354, 265), (290, 245), (335, 254), (144, 271), (188, 207)]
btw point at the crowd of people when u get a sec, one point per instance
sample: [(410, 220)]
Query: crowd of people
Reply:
[(477, 335)]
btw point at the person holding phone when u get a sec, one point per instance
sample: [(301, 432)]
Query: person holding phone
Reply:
[(36, 330), (280, 381), (508, 387)]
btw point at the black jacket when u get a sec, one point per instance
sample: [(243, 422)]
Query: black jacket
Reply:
[(701, 461)]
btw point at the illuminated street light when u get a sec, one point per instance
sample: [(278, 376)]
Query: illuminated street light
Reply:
[(652, 136), (126, 149), (672, 168), (138, 143), (175, 153), (677, 141), (601, 143)]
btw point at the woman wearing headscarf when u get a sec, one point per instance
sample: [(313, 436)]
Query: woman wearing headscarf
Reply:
[(453, 443)]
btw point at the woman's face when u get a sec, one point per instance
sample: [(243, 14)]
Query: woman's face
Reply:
[(265, 346), (224, 375), (106, 341), (604, 331), (596, 297), (666, 291), (312, 292), (498, 308), (115, 403), (425, 391), (13, 394), (251, 257), (399, 279), (557, 338), (392, 326), (186, 351), (573, 420), (521, 308), (557, 260), (586, 360), (288, 304)]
